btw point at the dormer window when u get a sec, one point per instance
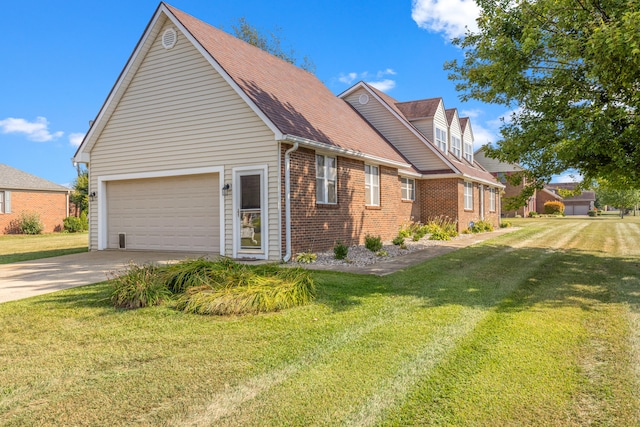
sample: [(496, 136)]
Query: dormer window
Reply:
[(468, 151), (441, 139), (456, 146)]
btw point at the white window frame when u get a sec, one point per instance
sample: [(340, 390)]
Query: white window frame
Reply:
[(492, 199), (371, 185), (408, 188), (468, 196), (441, 139), (468, 151), (1, 202), (326, 175), (456, 146)]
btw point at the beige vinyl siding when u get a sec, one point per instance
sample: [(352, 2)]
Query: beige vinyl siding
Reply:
[(395, 132), (179, 113), (467, 135), (427, 125), (495, 165), (455, 130)]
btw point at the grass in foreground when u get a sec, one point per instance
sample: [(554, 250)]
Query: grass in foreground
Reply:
[(536, 327), (15, 248)]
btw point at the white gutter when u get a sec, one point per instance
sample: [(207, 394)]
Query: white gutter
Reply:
[(345, 152), (287, 201)]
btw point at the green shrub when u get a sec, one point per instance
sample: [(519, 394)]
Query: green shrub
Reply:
[(373, 243), (192, 273), (532, 214), (306, 257), (29, 223), (138, 286), (262, 293), (481, 226), (382, 253), (505, 224), (439, 234), (553, 207), (592, 213), (340, 251), (74, 224), (398, 240)]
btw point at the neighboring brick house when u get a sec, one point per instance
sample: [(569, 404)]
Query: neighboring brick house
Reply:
[(207, 143), (501, 170), (22, 192)]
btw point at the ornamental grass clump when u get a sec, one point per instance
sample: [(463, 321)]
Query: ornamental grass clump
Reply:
[(138, 286), (262, 292)]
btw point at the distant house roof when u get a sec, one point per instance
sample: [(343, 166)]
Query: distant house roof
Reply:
[(294, 100), (15, 179), (584, 196)]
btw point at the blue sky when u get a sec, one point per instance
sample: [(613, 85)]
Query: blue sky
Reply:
[(60, 60)]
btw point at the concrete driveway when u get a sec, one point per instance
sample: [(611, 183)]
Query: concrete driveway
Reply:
[(29, 278)]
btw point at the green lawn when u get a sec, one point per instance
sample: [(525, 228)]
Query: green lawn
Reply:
[(14, 248), (540, 326)]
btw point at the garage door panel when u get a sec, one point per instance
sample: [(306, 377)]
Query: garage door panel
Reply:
[(172, 213)]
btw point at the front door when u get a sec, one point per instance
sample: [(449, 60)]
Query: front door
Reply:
[(249, 221)]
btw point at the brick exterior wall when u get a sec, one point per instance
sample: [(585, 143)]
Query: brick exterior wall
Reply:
[(513, 190), (542, 197), (445, 197), (52, 208), (317, 227)]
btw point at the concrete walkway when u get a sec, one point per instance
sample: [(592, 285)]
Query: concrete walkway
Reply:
[(29, 278)]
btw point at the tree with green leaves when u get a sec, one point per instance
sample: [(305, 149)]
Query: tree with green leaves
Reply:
[(80, 193), (620, 197), (271, 43), (570, 72)]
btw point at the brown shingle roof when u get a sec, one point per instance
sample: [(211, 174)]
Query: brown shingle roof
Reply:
[(464, 121), (450, 113), (420, 109), (295, 101), (15, 179)]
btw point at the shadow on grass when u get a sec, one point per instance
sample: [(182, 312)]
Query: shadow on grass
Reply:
[(28, 256)]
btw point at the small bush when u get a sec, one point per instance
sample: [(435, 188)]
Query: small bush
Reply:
[(137, 287), (373, 243), (505, 224), (553, 208), (532, 214), (382, 253), (74, 224), (29, 223), (191, 273), (340, 251), (592, 213), (439, 234), (398, 240), (481, 226), (306, 257)]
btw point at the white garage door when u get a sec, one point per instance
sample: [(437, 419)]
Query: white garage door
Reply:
[(576, 210), (178, 213)]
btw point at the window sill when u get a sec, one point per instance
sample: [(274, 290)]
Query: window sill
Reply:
[(326, 205), (372, 208), (407, 201)]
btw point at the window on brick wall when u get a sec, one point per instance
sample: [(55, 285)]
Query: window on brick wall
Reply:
[(372, 185), (408, 186), (1, 201), (456, 146), (441, 139), (492, 199), (326, 179), (468, 196)]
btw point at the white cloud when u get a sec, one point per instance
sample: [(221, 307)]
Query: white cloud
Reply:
[(567, 177), (383, 85), (476, 112), (380, 83), (451, 17), (483, 135), (35, 131), (76, 139)]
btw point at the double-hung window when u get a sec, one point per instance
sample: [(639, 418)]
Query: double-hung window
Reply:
[(441, 139), (456, 146), (371, 185), (1, 201), (468, 196), (326, 180), (468, 150), (5, 202), (492, 199), (408, 186)]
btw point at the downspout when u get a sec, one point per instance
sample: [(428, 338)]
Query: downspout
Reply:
[(287, 201)]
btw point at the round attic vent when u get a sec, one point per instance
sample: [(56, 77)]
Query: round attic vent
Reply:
[(169, 38), (363, 99)]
